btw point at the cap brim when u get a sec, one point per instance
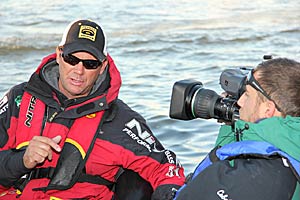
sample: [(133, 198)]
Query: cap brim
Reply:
[(77, 47)]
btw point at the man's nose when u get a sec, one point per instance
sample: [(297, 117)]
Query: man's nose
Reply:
[(79, 68)]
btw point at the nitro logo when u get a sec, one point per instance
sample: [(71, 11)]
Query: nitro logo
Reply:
[(223, 195), (29, 113)]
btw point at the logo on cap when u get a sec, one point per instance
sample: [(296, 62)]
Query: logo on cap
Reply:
[(87, 32)]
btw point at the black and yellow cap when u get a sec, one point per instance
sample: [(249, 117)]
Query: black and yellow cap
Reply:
[(84, 35)]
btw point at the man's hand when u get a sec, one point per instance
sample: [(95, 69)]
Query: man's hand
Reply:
[(39, 149)]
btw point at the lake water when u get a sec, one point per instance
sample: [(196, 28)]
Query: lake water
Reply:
[(155, 43)]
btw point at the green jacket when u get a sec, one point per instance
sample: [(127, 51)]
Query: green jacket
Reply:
[(283, 133)]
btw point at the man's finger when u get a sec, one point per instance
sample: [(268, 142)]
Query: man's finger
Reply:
[(57, 139), (54, 143)]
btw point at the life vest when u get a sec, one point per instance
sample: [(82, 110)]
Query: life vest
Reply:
[(244, 150), (77, 142)]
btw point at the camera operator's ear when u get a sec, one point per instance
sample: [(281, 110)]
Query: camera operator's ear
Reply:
[(271, 109)]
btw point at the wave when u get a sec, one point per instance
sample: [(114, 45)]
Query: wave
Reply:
[(292, 30), (31, 43)]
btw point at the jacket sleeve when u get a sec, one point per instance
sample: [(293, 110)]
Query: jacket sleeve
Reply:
[(11, 167), (144, 154), (11, 160)]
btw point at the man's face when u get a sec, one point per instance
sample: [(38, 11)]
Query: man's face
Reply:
[(251, 107), (77, 81)]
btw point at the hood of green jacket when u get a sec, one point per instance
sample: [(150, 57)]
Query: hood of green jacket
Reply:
[(283, 133)]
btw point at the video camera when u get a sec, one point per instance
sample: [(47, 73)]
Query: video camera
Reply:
[(190, 100)]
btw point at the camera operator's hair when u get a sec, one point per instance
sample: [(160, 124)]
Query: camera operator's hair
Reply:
[(280, 78)]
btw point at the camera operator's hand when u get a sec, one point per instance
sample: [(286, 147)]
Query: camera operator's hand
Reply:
[(224, 94), (222, 121), (39, 149)]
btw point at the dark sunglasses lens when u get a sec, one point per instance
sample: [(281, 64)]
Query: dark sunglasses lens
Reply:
[(88, 64), (91, 64), (72, 60)]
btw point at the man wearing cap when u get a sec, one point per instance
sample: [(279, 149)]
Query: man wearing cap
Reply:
[(64, 134)]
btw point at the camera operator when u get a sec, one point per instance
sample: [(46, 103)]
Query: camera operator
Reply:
[(258, 157)]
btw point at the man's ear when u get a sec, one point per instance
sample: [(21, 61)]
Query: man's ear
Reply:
[(58, 52), (270, 109), (103, 66)]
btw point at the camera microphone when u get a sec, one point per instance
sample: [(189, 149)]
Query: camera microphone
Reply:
[(246, 127)]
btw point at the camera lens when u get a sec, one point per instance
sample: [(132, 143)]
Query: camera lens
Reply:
[(190, 100), (208, 104), (203, 103)]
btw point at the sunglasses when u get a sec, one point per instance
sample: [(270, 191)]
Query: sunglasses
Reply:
[(88, 64), (254, 83)]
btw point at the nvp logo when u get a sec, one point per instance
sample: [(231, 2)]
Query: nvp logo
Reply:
[(143, 137)]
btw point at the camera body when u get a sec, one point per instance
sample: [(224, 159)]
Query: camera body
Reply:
[(191, 100)]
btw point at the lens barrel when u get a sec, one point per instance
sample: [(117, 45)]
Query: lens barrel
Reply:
[(190, 100)]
